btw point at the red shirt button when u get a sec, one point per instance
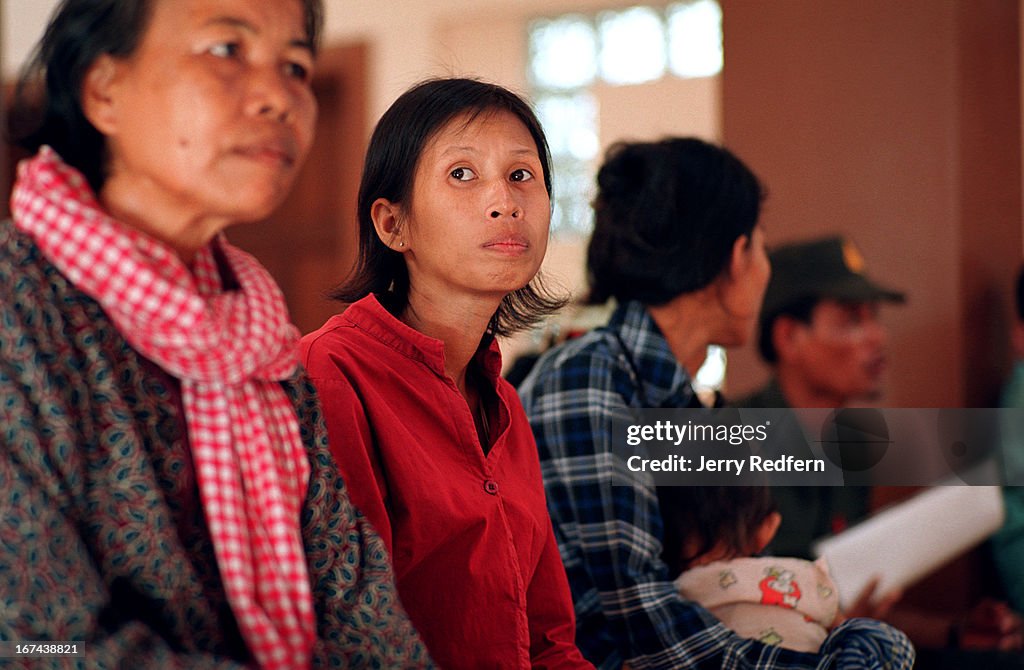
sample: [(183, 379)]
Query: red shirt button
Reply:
[(491, 486)]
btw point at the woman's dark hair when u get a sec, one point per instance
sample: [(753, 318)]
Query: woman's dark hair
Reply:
[(47, 104), (699, 518), (666, 216), (395, 148)]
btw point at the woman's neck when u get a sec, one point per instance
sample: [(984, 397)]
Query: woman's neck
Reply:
[(459, 324), (184, 232), (684, 322)]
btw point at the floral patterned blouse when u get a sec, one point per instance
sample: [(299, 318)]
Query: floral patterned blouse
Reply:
[(102, 534)]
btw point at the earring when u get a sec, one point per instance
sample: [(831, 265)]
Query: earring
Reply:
[(401, 244)]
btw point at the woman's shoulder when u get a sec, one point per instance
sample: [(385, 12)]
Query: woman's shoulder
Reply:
[(337, 343), (22, 265), (340, 360), (350, 331), (332, 333), (37, 302), (365, 341), (588, 361)]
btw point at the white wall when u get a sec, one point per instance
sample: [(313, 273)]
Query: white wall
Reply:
[(23, 23)]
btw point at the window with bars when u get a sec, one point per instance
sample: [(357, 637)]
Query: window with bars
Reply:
[(570, 53)]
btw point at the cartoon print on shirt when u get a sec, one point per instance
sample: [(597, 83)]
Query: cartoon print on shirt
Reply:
[(771, 636), (779, 588)]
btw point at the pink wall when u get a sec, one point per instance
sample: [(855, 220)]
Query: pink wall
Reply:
[(898, 124)]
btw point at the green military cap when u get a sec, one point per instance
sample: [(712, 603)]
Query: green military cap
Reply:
[(830, 267)]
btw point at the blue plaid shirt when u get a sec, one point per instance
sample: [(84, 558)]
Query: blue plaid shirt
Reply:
[(627, 609)]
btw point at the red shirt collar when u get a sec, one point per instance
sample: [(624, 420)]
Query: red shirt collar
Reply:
[(372, 317)]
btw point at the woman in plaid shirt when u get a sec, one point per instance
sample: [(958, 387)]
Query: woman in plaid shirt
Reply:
[(677, 244)]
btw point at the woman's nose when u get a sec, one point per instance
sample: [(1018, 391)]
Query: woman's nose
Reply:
[(270, 95), (505, 203)]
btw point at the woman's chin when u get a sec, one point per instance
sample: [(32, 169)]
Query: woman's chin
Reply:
[(257, 207)]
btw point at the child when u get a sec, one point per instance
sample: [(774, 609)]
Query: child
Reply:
[(711, 535)]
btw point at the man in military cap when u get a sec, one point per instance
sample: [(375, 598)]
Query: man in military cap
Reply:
[(820, 331), (819, 327)]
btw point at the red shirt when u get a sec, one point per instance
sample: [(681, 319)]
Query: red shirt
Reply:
[(475, 557)]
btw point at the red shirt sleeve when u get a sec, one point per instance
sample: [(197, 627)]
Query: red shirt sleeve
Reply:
[(550, 611)]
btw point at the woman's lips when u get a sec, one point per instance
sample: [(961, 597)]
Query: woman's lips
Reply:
[(508, 244), (278, 152)]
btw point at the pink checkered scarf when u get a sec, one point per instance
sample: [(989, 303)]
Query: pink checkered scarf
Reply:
[(229, 349)]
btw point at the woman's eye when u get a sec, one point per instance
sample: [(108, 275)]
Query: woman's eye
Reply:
[(297, 71), (463, 174), (225, 49), (521, 175)]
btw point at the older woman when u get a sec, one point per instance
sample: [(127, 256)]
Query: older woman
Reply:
[(168, 496), (453, 211), (677, 244)]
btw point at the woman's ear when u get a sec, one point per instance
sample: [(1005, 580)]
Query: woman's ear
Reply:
[(765, 532), (387, 220), (99, 93), (740, 256)]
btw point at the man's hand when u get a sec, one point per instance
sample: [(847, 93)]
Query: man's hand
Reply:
[(869, 605), (989, 625)]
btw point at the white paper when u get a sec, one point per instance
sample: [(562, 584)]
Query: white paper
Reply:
[(907, 541)]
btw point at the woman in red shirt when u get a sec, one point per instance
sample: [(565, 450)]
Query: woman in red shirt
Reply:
[(454, 208)]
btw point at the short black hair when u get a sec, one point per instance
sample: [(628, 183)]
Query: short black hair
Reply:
[(47, 106), (801, 309), (666, 217), (392, 157), (705, 516)]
